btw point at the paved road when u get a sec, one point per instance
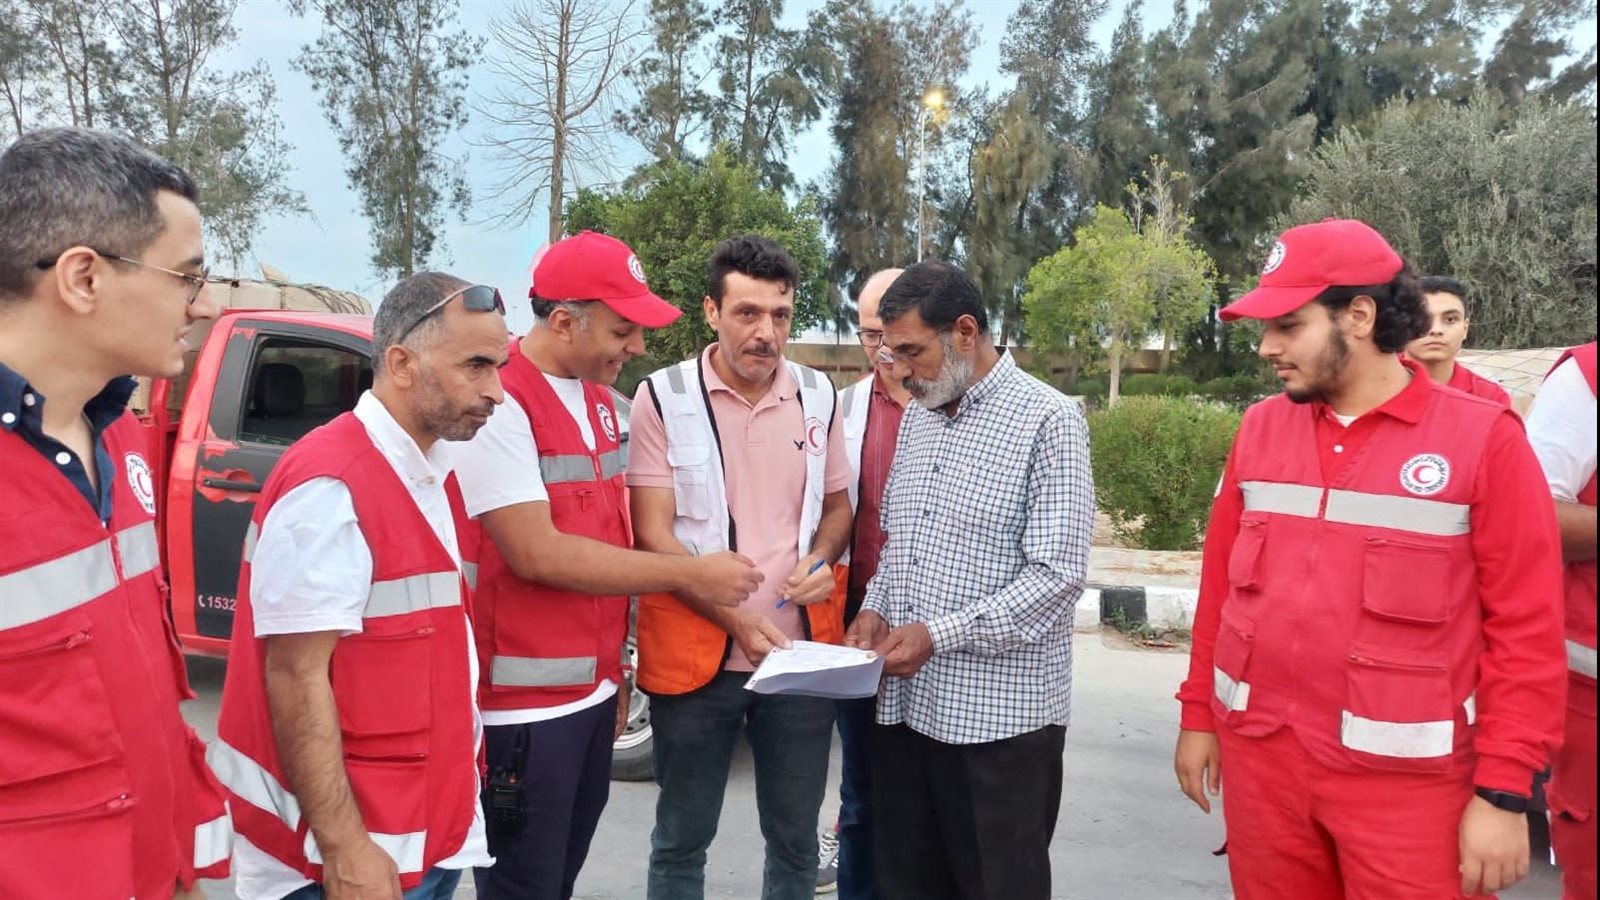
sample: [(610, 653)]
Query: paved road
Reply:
[(1125, 833)]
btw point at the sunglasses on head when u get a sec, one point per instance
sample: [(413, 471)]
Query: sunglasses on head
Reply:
[(475, 297)]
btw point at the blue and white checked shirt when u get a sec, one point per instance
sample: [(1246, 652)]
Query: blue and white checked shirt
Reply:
[(989, 515)]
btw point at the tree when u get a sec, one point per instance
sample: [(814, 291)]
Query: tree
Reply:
[(223, 128), (392, 82), (1112, 288), (889, 61), (1505, 202), (1528, 48), (553, 118), (673, 222), (771, 84), (672, 105), (146, 68)]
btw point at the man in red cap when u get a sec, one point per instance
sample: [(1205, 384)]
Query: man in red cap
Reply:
[(1377, 669), (1440, 343), (545, 480), (1561, 427)]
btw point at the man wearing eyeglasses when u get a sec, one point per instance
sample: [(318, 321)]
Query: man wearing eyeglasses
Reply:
[(551, 609), (871, 409), (349, 735), (103, 788)]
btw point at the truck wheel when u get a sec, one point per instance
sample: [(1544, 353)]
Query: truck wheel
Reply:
[(632, 756)]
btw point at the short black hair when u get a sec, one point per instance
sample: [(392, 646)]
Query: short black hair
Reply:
[(1402, 311), (940, 292), (753, 256), (399, 311), (65, 187), (1444, 284)]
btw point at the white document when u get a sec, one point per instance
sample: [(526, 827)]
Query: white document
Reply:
[(818, 670)]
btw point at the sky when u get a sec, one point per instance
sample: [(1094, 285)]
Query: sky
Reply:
[(330, 245)]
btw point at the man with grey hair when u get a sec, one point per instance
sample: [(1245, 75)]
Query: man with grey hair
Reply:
[(103, 788), (349, 735), (989, 511), (556, 570)]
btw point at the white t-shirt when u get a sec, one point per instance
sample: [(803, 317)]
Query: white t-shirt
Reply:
[(499, 467), (312, 571), (1561, 428)]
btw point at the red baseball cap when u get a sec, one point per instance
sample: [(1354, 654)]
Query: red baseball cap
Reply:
[(1309, 259), (591, 266)]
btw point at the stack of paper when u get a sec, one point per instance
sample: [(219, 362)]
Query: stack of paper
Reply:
[(818, 670)]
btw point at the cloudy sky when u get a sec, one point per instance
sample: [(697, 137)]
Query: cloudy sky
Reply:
[(330, 245)]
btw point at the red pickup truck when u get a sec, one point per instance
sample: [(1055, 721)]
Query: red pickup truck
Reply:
[(263, 379)]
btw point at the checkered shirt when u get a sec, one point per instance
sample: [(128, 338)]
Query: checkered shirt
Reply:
[(989, 515)]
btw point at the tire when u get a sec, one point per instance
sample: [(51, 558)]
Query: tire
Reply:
[(632, 756)]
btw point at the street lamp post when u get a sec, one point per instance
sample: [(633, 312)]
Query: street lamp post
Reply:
[(931, 103)]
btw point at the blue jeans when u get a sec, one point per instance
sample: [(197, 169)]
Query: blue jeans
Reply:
[(438, 884), (856, 874), (695, 735)]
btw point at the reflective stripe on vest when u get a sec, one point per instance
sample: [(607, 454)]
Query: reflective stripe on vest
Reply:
[(1402, 740), (1235, 695), (405, 849), (138, 550), (55, 586), (251, 782), (1413, 514), (413, 594), (613, 463), (575, 468), (469, 570), (528, 671), (213, 842), (1580, 659)]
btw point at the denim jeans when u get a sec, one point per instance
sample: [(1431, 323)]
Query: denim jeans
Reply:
[(695, 734), (857, 880), (438, 884)]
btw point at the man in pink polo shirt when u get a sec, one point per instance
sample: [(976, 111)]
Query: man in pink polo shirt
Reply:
[(739, 449)]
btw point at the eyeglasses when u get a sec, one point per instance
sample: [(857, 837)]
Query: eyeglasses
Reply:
[(475, 297), (197, 283), (870, 339)]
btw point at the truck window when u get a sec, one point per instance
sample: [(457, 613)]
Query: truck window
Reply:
[(295, 386)]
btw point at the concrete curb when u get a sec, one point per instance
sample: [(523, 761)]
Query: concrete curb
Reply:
[(1157, 605)]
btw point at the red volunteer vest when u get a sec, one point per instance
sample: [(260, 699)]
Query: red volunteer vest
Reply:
[(1353, 615), (1464, 379), (104, 792), (1580, 580), (542, 646), (402, 685)]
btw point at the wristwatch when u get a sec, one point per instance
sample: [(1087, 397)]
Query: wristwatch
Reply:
[(1514, 803)]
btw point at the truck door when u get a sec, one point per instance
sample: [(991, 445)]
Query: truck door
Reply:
[(277, 381)]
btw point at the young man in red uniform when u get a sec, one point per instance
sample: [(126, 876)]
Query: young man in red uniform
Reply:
[(349, 736), (1561, 427), (104, 793), (545, 480), (1438, 347), (1377, 668)]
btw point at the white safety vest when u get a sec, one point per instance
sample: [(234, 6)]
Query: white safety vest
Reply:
[(704, 523), (854, 403)]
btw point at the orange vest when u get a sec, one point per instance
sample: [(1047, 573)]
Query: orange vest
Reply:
[(1353, 613), (402, 685), (104, 792), (543, 646), (679, 651), (1580, 580)]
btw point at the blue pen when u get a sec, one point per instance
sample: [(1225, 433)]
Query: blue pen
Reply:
[(809, 572)]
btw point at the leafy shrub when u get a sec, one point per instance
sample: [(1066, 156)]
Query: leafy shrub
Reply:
[(1242, 388), (1152, 385), (1156, 465)]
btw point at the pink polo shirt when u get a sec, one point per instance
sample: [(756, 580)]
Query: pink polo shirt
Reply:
[(764, 463)]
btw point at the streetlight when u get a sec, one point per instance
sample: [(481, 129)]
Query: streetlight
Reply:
[(932, 102)]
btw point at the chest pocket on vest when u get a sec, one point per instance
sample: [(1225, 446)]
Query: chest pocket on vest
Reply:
[(691, 479), (1406, 580), (1244, 563)]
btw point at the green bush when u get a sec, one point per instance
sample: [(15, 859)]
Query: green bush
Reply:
[(1242, 388), (1151, 385), (1156, 465), (1092, 388)]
